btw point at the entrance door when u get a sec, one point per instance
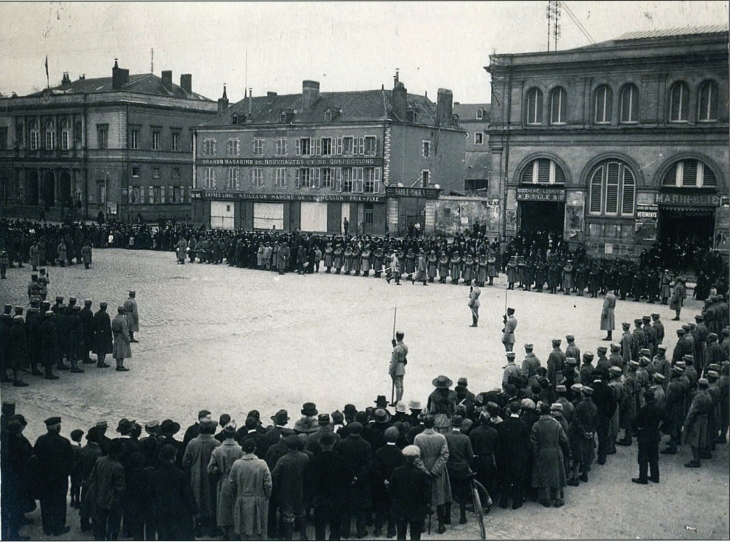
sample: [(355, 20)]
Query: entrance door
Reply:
[(542, 217), (687, 226)]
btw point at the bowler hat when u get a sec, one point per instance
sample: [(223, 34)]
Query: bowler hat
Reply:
[(381, 401), (349, 410), (381, 415), (309, 409), (457, 421), (324, 419)]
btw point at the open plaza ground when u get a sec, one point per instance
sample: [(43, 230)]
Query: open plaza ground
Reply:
[(232, 340)]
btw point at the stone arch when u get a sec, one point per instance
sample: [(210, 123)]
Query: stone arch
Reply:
[(678, 157), (519, 170), (593, 162)]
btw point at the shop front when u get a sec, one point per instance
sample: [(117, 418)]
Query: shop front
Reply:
[(687, 217), (411, 209), (541, 210)]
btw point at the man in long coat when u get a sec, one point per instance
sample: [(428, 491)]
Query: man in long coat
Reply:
[(329, 481), (120, 329), (195, 461), (130, 309), (549, 444), (410, 495), (221, 461), (55, 461), (49, 345), (358, 455), (461, 457), (582, 436), (87, 321), (434, 457), (608, 321), (678, 296), (694, 431), (288, 477), (251, 484), (174, 503), (514, 445), (102, 335)]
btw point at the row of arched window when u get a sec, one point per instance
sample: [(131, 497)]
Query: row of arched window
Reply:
[(628, 106), (612, 183), (46, 138)]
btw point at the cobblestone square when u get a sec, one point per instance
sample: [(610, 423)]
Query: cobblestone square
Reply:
[(232, 340)]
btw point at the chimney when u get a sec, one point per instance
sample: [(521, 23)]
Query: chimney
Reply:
[(400, 98), (223, 101), (167, 80), (310, 94), (120, 77), (444, 107), (186, 82), (66, 81), (250, 100), (271, 96)]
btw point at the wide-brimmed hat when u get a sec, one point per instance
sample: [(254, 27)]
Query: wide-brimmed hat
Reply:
[(381, 415), (125, 425), (442, 382), (381, 401), (169, 427), (281, 417)]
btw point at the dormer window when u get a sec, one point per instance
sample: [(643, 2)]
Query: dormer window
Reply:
[(283, 117), (328, 115), (234, 119), (411, 115), (480, 113)]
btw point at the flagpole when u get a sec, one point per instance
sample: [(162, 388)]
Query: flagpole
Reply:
[(48, 79)]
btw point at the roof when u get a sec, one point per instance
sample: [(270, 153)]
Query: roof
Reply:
[(468, 112), (145, 83), (351, 106), (669, 32)]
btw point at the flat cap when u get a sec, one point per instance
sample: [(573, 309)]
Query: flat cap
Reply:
[(55, 420)]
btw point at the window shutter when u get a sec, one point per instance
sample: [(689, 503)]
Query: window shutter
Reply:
[(627, 205), (559, 174), (377, 146), (162, 194), (129, 194), (339, 146), (358, 179), (543, 172), (690, 173), (708, 177), (376, 177), (318, 146), (612, 178), (298, 175), (597, 190), (527, 174), (362, 145), (315, 174), (338, 179), (151, 192), (170, 198), (299, 147), (141, 194)]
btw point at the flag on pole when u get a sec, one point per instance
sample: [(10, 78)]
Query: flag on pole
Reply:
[(48, 80)]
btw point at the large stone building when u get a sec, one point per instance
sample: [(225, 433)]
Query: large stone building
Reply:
[(617, 144), (308, 161), (121, 145)]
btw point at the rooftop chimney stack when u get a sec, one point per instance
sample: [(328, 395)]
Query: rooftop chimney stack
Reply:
[(120, 77), (400, 97), (444, 107), (186, 82), (223, 100), (167, 80), (66, 81), (310, 94)]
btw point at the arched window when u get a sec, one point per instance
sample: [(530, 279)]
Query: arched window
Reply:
[(679, 102), (543, 171), (50, 135), (613, 189), (65, 135), (708, 102), (534, 106), (690, 173), (33, 135), (480, 113), (629, 104), (558, 103), (604, 105)]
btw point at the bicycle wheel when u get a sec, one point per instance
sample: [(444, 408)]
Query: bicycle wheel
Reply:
[(478, 510)]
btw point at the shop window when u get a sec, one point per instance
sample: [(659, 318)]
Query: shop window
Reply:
[(613, 189), (708, 102), (603, 105), (690, 174), (543, 171), (629, 104), (558, 103), (679, 102), (534, 107)]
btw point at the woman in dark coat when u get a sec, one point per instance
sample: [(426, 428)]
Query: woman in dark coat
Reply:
[(548, 441)]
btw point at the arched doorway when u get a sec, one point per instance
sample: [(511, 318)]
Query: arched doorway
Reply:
[(32, 189), (48, 189)]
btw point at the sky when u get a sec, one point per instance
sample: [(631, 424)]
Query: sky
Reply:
[(273, 46)]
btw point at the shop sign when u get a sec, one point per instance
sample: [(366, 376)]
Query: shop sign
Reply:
[(689, 200), (221, 195), (647, 211), (404, 192), (289, 162), (540, 194)]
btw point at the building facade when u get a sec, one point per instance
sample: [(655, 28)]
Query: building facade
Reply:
[(119, 145), (474, 119), (310, 161), (616, 145)]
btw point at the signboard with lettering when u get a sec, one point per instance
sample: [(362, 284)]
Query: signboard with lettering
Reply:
[(403, 192), (540, 194), (290, 162), (647, 212), (222, 195), (688, 200)]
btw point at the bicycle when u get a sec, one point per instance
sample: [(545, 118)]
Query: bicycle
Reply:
[(476, 487)]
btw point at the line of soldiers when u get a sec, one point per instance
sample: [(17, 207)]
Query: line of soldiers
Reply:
[(61, 336)]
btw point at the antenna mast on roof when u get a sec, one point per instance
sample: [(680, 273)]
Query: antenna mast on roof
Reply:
[(245, 75), (152, 60), (553, 16)]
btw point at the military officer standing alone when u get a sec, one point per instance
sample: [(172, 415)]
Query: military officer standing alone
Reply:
[(397, 369), (474, 293), (130, 307), (508, 333)]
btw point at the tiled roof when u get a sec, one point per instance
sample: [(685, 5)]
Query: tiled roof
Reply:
[(669, 32), (145, 83), (352, 106), (468, 112)]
